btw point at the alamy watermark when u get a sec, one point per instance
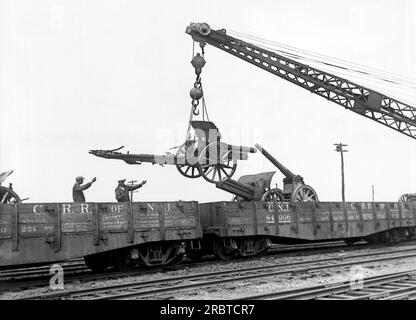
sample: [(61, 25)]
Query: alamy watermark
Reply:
[(57, 280), (357, 276)]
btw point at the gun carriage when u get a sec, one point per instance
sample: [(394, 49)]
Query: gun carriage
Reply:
[(204, 155), (257, 187), (294, 187)]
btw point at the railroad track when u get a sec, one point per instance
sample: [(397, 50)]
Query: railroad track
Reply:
[(393, 286), (76, 270), (166, 288), (41, 270)]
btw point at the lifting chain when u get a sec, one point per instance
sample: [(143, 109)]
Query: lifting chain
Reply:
[(196, 94)]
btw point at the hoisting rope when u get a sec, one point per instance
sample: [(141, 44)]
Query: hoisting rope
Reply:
[(388, 82), (326, 58)]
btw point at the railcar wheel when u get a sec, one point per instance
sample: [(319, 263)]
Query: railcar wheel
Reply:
[(123, 261), (215, 162), (8, 196), (220, 251), (304, 193), (273, 195), (161, 254), (379, 238), (251, 246), (186, 169)]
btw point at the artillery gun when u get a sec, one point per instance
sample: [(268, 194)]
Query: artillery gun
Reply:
[(205, 155), (7, 195), (294, 187), (256, 187)]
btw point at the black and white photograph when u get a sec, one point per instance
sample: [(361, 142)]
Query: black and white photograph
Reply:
[(204, 155)]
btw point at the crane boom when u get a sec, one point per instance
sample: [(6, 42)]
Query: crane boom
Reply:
[(366, 102)]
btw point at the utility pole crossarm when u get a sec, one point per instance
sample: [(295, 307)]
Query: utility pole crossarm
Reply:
[(376, 106)]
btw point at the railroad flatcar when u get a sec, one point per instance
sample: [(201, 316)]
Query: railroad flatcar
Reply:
[(123, 235), (246, 228), (117, 234)]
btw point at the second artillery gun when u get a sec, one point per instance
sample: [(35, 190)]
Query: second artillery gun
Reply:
[(257, 187)]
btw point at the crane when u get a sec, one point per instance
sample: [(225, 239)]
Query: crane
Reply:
[(374, 105)]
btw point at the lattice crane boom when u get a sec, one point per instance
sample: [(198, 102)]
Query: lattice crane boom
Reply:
[(369, 103)]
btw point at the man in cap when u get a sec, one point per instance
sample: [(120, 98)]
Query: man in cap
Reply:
[(122, 190), (77, 189)]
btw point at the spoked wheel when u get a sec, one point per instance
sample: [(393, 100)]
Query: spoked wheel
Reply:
[(8, 196), (216, 163), (304, 193), (407, 198), (403, 199), (186, 150), (273, 195), (220, 251)]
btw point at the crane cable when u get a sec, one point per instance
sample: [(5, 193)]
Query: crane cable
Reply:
[(326, 63), (327, 58)]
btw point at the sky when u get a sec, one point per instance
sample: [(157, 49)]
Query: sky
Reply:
[(80, 75)]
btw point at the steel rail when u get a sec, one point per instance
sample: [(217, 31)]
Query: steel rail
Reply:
[(388, 286), (135, 289), (39, 276)]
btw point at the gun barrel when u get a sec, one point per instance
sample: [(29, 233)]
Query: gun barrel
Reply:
[(286, 172), (241, 149), (236, 188), (131, 158)]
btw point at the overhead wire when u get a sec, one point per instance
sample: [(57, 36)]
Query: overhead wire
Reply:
[(314, 54), (401, 86)]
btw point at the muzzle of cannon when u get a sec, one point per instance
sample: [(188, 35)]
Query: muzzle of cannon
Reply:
[(294, 187)]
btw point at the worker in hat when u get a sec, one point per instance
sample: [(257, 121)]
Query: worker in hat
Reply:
[(78, 188), (122, 190)]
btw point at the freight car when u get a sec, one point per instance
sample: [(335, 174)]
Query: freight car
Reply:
[(247, 228), (105, 234), (159, 233)]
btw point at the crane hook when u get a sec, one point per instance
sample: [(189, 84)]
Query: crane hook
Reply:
[(195, 111)]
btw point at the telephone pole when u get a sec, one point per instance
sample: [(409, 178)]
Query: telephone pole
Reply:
[(372, 192), (339, 148)]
